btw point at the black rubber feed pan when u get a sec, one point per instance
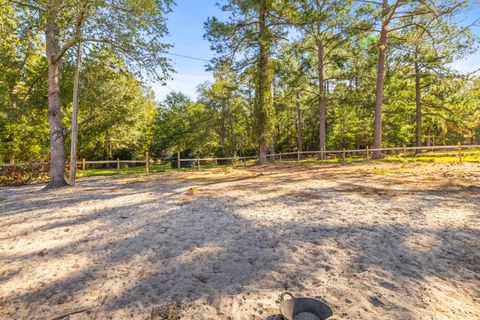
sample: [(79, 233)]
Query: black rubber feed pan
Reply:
[(303, 308)]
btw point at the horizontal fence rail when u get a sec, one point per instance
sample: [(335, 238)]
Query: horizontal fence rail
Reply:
[(110, 162), (148, 161)]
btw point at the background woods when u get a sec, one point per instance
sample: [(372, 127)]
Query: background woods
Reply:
[(288, 75)]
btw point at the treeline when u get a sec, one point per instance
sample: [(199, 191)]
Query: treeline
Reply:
[(288, 75), (221, 122), (115, 110), (122, 45), (316, 75)]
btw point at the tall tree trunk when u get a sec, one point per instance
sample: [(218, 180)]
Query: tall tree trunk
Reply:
[(418, 104), (73, 145), (57, 146), (106, 144), (321, 100), (223, 133), (299, 124), (264, 106), (377, 135), (276, 132), (232, 134)]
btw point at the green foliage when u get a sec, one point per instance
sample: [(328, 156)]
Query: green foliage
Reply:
[(265, 88), (182, 126), (123, 40), (116, 111), (133, 30)]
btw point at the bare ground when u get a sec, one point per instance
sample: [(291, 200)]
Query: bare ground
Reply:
[(385, 241)]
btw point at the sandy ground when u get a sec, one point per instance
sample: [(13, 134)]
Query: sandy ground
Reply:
[(224, 244)]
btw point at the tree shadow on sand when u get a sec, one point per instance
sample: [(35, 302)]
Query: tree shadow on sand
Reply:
[(205, 254)]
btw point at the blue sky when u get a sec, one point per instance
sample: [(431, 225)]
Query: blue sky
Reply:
[(186, 29), (185, 25)]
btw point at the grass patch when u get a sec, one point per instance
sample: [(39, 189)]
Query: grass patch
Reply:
[(378, 171), (126, 171), (123, 171), (441, 156), (314, 160)]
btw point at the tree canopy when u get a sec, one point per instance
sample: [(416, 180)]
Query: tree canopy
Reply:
[(288, 75)]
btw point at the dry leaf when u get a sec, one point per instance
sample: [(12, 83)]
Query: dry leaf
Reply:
[(192, 190)]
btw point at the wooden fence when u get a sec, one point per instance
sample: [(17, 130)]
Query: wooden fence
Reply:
[(297, 155)]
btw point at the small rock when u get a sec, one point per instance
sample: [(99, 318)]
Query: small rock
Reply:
[(376, 302), (59, 298)]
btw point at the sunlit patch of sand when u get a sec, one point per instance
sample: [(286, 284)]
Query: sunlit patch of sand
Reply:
[(381, 241)]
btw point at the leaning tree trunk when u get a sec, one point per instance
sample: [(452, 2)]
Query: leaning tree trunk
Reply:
[(264, 103), (377, 135), (321, 101), (57, 146), (418, 104)]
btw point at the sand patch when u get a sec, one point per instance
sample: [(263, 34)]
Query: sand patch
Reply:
[(225, 245)]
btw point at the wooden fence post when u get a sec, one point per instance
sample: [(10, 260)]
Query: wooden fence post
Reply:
[(178, 160), (280, 154), (405, 152), (244, 161), (459, 152), (118, 165), (368, 154), (216, 161), (198, 163), (343, 155), (298, 155), (83, 165), (147, 162)]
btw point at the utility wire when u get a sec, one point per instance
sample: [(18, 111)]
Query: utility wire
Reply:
[(186, 57)]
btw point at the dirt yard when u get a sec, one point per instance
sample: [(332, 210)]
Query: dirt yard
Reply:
[(384, 241)]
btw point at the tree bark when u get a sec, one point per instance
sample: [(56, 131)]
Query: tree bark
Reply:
[(223, 132), (264, 105), (232, 134), (418, 104), (321, 100), (377, 135), (299, 124), (73, 145), (57, 146)]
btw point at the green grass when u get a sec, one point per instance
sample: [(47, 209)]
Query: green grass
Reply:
[(123, 171), (126, 171), (450, 156), (442, 156), (380, 171), (313, 160), (388, 171)]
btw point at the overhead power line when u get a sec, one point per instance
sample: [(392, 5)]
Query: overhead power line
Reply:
[(186, 57)]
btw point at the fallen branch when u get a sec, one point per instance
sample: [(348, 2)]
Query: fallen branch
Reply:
[(63, 316)]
